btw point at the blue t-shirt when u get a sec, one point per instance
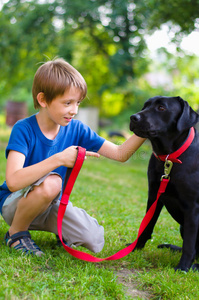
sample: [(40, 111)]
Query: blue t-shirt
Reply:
[(27, 138)]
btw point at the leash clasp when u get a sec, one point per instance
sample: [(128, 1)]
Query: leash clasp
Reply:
[(167, 169)]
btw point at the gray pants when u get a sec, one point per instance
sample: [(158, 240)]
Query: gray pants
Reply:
[(78, 228)]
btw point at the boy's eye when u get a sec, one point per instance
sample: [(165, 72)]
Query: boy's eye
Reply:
[(68, 103)]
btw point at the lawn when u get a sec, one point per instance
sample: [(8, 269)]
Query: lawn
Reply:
[(116, 195)]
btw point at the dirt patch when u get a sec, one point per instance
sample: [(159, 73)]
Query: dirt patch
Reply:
[(125, 277)]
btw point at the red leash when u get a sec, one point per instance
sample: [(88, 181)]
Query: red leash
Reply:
[(147, 218)]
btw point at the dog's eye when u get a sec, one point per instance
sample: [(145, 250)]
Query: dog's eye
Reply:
[(161, 108)]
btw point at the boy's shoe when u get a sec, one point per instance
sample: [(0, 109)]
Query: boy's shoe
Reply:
[(26, 244), (59, 244)]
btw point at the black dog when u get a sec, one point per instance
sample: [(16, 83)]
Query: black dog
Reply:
[(166, 122)]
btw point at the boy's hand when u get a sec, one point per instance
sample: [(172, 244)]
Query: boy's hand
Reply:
[(69, 156)]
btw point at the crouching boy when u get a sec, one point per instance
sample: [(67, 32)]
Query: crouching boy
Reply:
[(40, 149)]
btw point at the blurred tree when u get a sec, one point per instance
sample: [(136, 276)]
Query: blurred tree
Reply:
[(26, 34), (184, 71), (111, 45), (183, 13), (97, 37), (103, 39)]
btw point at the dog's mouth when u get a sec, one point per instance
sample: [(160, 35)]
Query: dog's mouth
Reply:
[(152, 133), (147, 133), (144, 133)]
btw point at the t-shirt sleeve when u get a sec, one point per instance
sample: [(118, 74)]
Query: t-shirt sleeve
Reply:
[(19, 139), (90, 139)]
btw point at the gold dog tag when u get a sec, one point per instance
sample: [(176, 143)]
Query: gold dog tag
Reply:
[(167, 167)]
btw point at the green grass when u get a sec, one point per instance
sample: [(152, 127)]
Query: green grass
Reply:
[(115, 194)]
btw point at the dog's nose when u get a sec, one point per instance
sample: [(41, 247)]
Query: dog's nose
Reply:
[(135, 118)]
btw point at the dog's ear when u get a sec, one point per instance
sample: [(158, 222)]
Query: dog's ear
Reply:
[(188, 117)]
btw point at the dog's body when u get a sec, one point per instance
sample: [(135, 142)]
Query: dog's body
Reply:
[(166, 122)]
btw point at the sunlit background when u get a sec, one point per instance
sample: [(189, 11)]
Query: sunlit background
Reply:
[(127, 51)]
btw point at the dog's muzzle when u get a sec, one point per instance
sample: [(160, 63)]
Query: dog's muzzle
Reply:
[(134, 119)]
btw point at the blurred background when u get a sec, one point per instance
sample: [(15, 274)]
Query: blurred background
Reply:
[(127, 51)]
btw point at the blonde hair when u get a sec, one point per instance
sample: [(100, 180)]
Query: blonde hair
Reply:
[(54, 78)]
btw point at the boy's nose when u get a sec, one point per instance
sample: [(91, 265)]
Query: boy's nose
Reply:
[(74, 110)]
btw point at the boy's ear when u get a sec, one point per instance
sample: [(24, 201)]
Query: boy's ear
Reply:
[(41, 99)]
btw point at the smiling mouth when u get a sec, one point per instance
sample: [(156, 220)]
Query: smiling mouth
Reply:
[(67, 119)]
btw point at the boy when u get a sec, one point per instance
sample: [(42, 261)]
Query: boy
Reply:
[(39, 150)]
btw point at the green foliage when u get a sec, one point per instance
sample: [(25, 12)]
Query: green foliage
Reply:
[(19, 95), (98, 38), (182, 71), (104, 40), (26, 35), (183, 13)]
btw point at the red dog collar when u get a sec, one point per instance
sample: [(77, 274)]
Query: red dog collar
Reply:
[(174, 156)]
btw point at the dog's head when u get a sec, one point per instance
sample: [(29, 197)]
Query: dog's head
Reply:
[(163, 115)]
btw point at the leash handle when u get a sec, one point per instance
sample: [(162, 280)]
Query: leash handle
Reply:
[(69, 183), (72, 173)]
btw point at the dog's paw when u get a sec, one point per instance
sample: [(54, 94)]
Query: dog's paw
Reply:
[(183, 270), (185, 266), (195, 267), (171, 247), (137, 247)]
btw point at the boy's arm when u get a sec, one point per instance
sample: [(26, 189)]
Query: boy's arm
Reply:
[(121, 152), (18, 177)]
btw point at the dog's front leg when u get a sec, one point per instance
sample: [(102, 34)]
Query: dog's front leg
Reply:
[(191, 222)]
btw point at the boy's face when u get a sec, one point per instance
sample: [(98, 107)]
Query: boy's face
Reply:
[(63, 108)]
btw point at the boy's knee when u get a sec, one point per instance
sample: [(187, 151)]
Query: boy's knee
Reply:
[(50, 187), (81, 229), (93, 238)]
